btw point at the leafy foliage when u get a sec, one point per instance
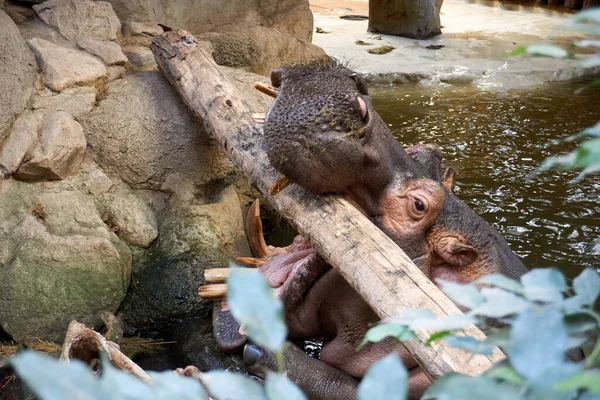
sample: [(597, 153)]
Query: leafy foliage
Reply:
[(52, 380), (385, 380), (542, 326), (253, 306)]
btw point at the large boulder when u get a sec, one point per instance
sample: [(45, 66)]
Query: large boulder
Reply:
[(17, 73), (258, 48), (58, 261), (195, 234), (408, 18), (199, 16), (64, 67), (76, 19), (142, 132)]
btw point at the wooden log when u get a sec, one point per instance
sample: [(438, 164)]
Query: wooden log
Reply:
[(369, 260), (216, 275), (215, 292), (85, 344)]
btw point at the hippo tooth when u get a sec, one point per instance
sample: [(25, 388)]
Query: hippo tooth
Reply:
[(266, 89)]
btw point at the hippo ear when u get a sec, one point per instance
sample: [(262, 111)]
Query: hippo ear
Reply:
[(448, 179), (455, 253), (430, 158)]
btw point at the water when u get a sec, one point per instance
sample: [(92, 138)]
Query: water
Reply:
[(494, 140)]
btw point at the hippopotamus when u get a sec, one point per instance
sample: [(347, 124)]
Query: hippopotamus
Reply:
[(323, 134)]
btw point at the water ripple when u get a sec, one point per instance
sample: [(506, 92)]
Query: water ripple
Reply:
[(495, 139)]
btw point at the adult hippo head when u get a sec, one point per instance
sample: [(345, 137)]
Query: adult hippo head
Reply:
[(323, 134)]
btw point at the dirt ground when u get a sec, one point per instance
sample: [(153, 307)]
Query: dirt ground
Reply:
[(340, 7)]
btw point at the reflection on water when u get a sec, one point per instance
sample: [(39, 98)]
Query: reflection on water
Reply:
[(494, 140)]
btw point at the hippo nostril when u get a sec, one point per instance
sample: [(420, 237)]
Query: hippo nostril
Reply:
[(276, 75), (363, 107), (252, 354)]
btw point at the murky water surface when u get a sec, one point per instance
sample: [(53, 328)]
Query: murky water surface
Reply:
[(495, 139)]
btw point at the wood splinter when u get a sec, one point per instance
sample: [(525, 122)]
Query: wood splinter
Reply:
[(85, 344), (215, 292), (266, 89)]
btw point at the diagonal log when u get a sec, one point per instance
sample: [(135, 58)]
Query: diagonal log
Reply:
[(369, 260)]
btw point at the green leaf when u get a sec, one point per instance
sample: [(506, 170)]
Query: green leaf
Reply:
[(413, 314), (587, 286), (50, 379), (455, 386), (387, 329), (500, 303), (507, 374), (253, 305), (538, 342), (580, 322), (470, 344), (279, 386), (437, 336), (463, 295), (591, 14), (591, 61), (518, 51), (586, 380), (168, 386), (445, 323), (547, 50), (225, 385), (499, 338), (587, 43), (502, 282), (123, 385), (386, 379), (593, 131), (544, 284)]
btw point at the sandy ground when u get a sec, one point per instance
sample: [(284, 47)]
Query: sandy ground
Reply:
[(475, 39)]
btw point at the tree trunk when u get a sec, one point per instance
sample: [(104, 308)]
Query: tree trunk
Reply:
[(419, 19)]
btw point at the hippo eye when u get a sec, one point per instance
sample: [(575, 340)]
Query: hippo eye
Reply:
[(419, 205)]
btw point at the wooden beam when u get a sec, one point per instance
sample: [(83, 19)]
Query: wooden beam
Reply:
[(369, 260)]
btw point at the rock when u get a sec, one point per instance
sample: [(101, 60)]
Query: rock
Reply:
[(17, 73), (115, 72), (194, 234), (258, 48), (322, 30), (201, 16), (107, 51), (132, 219), (189, 225), (18, 14), (37, 29), (381, 49), (64, 67), (58, 261), (59, 151), (142, 132), (142, 28), (76, 101), (97, 183), (23, 137), (78, 18), (140, 57), (237, 51), (197, 346), (166, 292)]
